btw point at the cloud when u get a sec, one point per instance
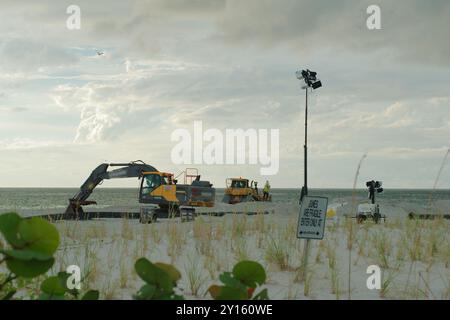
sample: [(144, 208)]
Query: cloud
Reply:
[(25, 144), (100, 107), (308, 26), (95, 124), (157, 28), (13, 109), (356, 127), (230, 64), (25, 55)]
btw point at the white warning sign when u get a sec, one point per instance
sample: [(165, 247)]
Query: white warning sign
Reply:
[(311, 221)]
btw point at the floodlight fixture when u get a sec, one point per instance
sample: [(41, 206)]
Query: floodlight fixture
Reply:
[(374, 187), (316, 85), (310, 78)]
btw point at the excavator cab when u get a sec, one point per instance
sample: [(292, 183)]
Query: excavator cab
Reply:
[(158, 188)]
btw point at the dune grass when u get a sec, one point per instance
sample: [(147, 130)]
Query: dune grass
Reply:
[(414, 256)]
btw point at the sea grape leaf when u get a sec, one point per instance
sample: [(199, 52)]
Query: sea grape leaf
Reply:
[(146, 292), (153, 275), (53, 287), (38, 235), (230, 293), (214, 291), (250, 273), (46, 296), (9, 222), (91, 295), (228, 280), (29, 269), (25, 254), (173, 272)]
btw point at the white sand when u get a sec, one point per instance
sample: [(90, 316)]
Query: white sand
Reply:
[(107, 249)]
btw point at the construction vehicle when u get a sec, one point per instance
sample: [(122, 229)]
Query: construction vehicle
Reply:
[(240, 190), (160, 195)]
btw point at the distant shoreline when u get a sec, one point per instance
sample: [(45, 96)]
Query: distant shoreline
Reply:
[(223, 188)]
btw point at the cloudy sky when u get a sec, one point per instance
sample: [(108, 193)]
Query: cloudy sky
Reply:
[(231, 64)]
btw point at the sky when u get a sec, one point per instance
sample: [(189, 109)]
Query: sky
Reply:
[(231, 64)]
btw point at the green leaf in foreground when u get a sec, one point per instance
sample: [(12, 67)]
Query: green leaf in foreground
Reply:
[(9, 222), (153, 275), (173, 272), (29, 269), (25, 254), (33, 242), (53, 287), (214, 291), (250, 273), (228, 280), (227, 293), (146, 292), (91, 295), (39, 235)]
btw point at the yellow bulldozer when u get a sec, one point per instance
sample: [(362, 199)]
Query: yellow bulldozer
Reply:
[(242, 190)]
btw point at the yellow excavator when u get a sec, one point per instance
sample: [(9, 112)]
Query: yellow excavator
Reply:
[(160, 195), (242, 190)]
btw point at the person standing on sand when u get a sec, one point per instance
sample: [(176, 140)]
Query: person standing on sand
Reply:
[(266, 191)]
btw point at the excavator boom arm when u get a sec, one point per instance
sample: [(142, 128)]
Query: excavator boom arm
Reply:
[(126, 170)]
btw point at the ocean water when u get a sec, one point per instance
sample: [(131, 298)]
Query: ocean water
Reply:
[(393, 201)]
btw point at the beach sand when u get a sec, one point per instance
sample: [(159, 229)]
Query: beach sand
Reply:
[(414, 256)]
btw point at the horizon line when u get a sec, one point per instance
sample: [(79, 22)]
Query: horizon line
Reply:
[(278, 188)]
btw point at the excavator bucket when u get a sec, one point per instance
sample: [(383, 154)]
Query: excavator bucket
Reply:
[(74, 210)]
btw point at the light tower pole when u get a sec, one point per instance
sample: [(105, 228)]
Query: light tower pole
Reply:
[(311, 81), (305, 148)]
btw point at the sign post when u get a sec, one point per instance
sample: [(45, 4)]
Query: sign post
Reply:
[(311, 224)]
